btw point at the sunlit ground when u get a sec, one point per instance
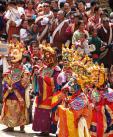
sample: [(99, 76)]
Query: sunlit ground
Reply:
[(28, 132)]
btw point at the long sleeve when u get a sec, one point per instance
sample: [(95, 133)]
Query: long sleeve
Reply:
[(74, 38)]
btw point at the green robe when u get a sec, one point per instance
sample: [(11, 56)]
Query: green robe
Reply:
[(97, 42)]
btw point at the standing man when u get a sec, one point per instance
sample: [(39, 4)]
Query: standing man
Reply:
[(58, 31), (44, 92), (15, 90), (105, 33), (81, 7), (67, 9), (45, 13)]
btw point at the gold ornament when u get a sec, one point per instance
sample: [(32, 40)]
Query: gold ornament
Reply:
[(83, 67)]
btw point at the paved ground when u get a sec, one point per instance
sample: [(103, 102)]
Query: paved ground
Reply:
[(28, 130)]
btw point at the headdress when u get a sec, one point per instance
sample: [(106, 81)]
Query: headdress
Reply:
[(18, 46), (84, 68), (49, 54), (67, 55)]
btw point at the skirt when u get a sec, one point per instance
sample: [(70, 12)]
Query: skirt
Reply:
[(42, 120), (13, 114)]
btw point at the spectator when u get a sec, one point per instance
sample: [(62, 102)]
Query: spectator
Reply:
[(58, 30), (96, 19), (81, 6), (78, 34), (54, 4), (91, 13), (13, 20), (67, 9), (105, 33), (24, 31), (29, 12)]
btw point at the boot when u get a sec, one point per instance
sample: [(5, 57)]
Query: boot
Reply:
[(22, 129)]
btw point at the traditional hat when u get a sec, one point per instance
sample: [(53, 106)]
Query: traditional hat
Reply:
[(49, 54)]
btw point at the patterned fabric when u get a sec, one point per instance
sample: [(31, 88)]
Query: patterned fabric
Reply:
[(56, 99), (109, 96), (14, 111), (13, 114), (102, 121), (78, 103), (16, 74)]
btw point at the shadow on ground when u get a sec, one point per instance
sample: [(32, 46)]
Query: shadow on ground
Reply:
[(18, 134)]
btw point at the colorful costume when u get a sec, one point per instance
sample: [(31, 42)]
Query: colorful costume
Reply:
[(75, 115), (42, 119), (42, 115), (15, 90), (102, 97), (102, 121)]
